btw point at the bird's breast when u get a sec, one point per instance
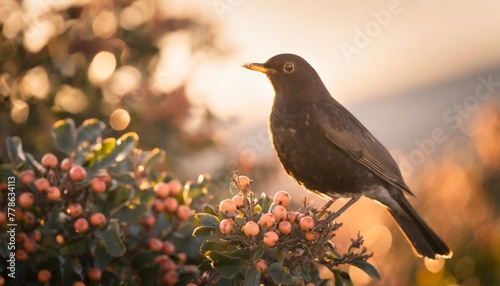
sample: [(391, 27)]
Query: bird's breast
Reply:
[(309, 157)]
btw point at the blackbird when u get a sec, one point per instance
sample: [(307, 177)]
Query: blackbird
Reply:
[(328, 151)]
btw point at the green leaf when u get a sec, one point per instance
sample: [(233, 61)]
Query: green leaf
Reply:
[(226, 266), (153, 156), (342, 278), (64, 135), (124, 178), (35, 163), (252, 276), (102, 258), (111, 239), (15, 151), (142, 258), (210, 210), (89, 130), (118, 196), (122, 149), (214, 245), (130, 213), (205, 219), (278, 274), (204, 230), (258, 253), (265, 202), (367, 268)]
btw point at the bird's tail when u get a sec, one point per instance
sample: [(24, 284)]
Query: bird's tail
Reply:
[(423, 239)]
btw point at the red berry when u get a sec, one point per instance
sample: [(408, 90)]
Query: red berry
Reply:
[(162, 190), (3, 218), (148, 220), (183, 213), (77, 173), (228, 206), (81, 225), (29, 218), (170, 204), (291, 216), (271, 238), (282, 198), (238, 200), (251, 229), (267, 220), (168, 265), (27, 177), (21, 255), (226, 226), (312, 235), (157, 205), (36, 235), (160, 259), (26, 200), (182, 258), (49, 160), (53, 193), (29, 245), (42, 184), (171, 278), (175, 187), (78, 283), (306, 223), (261, 265), (74, 210), (244, 182), (280, 213), (97, 219), (103, 175), (285, 227), (98, 185), (168, 248), (94, 274), (155, 244), (44, 276), (21, 237), (66, 164)]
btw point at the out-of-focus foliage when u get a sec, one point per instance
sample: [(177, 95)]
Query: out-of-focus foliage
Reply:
[(126, 62)]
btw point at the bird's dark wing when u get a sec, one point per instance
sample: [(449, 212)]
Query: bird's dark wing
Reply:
[(346, 132)]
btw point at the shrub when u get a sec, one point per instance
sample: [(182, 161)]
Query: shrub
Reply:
[(263, 242), (81, 219)]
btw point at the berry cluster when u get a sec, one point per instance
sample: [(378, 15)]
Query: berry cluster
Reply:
[(265, 240), (103, 214)]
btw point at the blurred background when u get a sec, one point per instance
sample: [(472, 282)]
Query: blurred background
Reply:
[(423, 76)]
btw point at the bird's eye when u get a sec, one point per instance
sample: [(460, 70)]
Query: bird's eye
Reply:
[(288, 67)]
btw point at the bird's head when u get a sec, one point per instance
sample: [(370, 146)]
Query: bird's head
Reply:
[(292, 77)]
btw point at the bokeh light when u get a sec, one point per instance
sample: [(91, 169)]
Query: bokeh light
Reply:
[(102, 67), (105, 25), (70, 99), (119, 119), (35, 83)]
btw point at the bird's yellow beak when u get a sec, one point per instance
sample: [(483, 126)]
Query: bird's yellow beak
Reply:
[(259, 68)]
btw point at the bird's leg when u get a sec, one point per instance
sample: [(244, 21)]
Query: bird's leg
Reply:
[(344, 208), (325, 207)]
